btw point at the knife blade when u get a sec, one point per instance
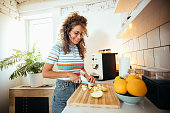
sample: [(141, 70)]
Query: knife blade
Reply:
[(84, 80)]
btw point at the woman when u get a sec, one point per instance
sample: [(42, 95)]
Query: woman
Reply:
[(65, 61)]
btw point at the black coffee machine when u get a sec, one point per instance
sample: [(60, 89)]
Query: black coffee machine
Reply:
[(104, 65)]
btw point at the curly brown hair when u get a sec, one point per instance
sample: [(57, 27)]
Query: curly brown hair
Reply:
[(73, 20)]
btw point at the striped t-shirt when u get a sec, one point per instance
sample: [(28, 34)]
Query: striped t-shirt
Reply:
[(70, 62)]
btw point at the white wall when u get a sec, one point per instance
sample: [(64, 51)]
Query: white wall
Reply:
[(11, 37), (103, 26)]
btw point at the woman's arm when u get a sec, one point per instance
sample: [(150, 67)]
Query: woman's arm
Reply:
[(49, 73)]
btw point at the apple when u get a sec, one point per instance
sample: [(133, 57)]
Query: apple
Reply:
[(84, 87)]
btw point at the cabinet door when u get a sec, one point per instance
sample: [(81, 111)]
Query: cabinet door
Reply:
[(31, 105)]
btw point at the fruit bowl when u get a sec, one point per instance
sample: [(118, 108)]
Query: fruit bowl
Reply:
[(129, 99)]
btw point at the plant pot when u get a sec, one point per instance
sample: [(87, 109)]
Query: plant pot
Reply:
[(36, 80)]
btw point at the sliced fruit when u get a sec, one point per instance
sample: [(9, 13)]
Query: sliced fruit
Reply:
[(95, 88), (104, 88), (97, 94), (98, 85), (90, 86), (84, 87)]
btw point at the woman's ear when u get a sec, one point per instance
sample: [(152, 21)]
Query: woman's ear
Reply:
[(69, 34)]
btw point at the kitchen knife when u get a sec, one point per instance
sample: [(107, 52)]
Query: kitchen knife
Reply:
[(84, 80)]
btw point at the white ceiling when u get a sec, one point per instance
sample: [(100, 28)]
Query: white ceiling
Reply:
[(29, 1), (61, 2), (20, 1), (29, 6)]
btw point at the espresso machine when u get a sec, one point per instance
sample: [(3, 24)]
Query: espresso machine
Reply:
[(104, 66)]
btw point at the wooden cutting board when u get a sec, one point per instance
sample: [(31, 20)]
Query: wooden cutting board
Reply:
[(83, 98)]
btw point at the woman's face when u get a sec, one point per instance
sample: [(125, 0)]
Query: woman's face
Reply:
[(76, 34)]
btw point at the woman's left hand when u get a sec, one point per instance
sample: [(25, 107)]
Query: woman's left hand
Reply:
[(90, 79)]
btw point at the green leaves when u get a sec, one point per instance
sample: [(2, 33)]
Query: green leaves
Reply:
[(9, 61), (36, 67), (29, 61)]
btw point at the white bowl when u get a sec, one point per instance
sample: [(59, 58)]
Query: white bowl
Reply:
[(129, 99)]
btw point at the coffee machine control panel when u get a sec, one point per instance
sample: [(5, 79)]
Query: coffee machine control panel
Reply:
[(97, 65)]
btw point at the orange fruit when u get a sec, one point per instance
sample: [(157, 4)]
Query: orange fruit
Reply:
[(136, 87), (120, 86), (130, 77)]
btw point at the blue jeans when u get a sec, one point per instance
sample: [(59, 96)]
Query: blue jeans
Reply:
[(62, 92)]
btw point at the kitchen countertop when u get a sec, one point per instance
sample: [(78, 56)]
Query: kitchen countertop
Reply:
[(144, 106)]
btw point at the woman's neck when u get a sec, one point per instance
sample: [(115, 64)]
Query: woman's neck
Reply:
[(72, 44)]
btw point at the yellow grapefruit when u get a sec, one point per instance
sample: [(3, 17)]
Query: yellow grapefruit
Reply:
[(136, 87), (130, 77), (120, 86), (118, 77)]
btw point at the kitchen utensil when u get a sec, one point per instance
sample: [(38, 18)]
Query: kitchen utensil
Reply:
[(84, 80)]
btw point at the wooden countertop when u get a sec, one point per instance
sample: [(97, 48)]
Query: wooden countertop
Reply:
[(45, 86)]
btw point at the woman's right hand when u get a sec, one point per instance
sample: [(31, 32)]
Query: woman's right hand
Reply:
[(74, 78)]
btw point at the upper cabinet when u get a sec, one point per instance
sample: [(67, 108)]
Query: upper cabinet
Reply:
[(146, 16), (126, 5)]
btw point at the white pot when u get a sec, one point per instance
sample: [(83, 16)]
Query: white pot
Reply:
[(36, 80)]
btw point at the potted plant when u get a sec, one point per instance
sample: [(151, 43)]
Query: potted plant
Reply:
[(29, 63)]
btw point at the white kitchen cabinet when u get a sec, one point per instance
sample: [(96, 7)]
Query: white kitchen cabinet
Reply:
[(144, 19), (128, 10), (126, 5)]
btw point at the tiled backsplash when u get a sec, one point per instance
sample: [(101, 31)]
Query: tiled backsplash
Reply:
[(152, 49)]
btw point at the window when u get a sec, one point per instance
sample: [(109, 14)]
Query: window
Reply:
[(41, 33)]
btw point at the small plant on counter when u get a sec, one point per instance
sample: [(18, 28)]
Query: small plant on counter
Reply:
[(29, 62)]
